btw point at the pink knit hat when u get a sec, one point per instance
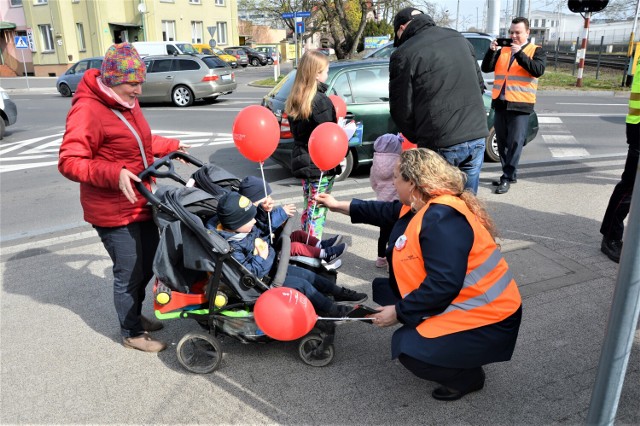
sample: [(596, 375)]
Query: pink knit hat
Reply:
[(122, 64)]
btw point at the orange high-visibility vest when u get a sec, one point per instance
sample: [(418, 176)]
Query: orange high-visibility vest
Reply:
[(520, 85), (489, 293)]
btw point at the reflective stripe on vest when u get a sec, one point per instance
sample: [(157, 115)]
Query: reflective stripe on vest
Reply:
[(489, 293), (633, 117), (520, 85)]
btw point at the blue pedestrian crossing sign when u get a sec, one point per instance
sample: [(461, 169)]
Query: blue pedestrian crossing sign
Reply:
[(21, 42)]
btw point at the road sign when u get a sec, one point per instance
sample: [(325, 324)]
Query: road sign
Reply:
[(300, 27), (21, 42), (303, 14), (287, 15)]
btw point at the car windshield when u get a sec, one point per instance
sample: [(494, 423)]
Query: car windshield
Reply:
[(212, 62), (282, 89), (480, 45), (186, 48)]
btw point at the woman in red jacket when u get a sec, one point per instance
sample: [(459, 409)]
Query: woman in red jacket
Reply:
[(101, 152)]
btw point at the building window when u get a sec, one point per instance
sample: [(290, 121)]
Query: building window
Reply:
[(168, 30), (194, 1), (80, 31), (222, 33), (196, 32), (46, 37), (41, 2), (166, 1), (16, 3), (219, 2), (544, 23)]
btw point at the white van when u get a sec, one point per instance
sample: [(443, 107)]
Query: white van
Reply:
[(146, 48)]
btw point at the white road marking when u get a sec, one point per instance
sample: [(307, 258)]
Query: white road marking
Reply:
[(549, 120), (561, 146)]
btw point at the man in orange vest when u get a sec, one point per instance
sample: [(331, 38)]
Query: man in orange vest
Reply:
[(517, 69)]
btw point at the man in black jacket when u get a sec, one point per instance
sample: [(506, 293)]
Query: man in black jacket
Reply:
[(435, 92)]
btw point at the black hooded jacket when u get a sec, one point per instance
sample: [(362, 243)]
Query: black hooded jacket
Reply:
[(435, 86), (322, 111)]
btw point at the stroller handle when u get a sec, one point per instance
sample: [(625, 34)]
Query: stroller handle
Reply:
[(163, 168)]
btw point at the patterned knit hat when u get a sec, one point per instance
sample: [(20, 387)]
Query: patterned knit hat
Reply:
[(122, 64)]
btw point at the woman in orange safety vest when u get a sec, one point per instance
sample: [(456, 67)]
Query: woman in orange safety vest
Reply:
[(448, 284)]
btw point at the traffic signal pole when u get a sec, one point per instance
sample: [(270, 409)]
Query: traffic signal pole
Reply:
[(583, 48)]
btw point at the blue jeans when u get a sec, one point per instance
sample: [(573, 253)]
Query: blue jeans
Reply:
[(313, 286), (132, 249), (511, 131), (468, 157)]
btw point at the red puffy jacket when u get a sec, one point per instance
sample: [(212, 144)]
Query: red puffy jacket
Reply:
[(97, 145)]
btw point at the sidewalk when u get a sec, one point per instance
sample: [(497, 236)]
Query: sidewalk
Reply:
[(62, 361)]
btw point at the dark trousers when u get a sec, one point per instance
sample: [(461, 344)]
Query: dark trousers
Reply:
[(131, 248), (613, 222), (383, 240), (459, 379), (511, 132), (313, 286)]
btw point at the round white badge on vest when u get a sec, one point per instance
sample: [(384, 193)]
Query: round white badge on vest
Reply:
[(401, 242)]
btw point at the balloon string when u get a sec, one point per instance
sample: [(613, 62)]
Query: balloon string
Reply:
[(315, 201), (264, 185), (344, 319)]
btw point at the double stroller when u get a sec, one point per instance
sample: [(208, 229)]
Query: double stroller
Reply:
[(196, 277)]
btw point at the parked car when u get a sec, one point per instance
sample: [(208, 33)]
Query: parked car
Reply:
[(364, 86), (68, 82), (271, 52), (479, 41), (239, 54), (182, 79), (146, 48), (8, 111), (255, 58), (205, 49)]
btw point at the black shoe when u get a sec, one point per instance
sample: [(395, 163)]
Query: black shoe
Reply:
[(333, 253), (497, 182), (503, 188), (446, 394), (612, 248), (331, 242), (347, 295), (339, 311)]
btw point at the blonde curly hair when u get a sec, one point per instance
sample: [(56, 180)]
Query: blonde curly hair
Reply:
[(433, 176)]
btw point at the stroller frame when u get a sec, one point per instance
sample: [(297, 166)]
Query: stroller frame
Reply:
[(201, 351)]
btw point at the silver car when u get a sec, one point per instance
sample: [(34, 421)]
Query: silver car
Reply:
[(68, 82), (182, 79)]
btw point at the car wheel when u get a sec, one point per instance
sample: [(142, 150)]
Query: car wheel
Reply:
[(1, 128), (270, 61), (347, 167), (182, 96), (64, 90), (255, 62), (491, 147)]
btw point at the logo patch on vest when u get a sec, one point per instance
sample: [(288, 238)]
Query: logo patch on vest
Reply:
[(401, 242)]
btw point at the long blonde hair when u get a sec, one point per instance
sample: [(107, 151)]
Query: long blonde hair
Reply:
[(433, 176), (299, 102)]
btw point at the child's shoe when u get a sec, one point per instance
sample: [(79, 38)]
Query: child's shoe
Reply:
[(348, 295), (333, 253), (330, 242), (381, 262)]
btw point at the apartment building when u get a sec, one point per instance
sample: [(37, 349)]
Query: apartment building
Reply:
[(65, 31)]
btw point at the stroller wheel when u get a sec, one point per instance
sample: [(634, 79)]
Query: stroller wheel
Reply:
[(314, 351), (199, 352)]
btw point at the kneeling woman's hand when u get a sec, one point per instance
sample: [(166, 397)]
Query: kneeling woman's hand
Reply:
[(385, 317)]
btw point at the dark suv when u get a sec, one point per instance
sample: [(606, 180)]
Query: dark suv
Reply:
[(255, 58), (364, 86)]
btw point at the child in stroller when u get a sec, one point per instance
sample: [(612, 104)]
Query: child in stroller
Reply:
[(302, 244), (236, 216)]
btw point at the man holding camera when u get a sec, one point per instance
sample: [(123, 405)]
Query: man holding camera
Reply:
[(517, 66)]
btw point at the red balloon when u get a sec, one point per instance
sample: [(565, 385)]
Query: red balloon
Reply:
[(256, 132), (339, 105), (328, 145), (407, 144), (284, 313)]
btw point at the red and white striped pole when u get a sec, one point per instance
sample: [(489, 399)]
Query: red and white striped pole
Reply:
[(582, 53)]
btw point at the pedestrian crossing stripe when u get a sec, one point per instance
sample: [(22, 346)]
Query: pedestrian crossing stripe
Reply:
[(21, 42)]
